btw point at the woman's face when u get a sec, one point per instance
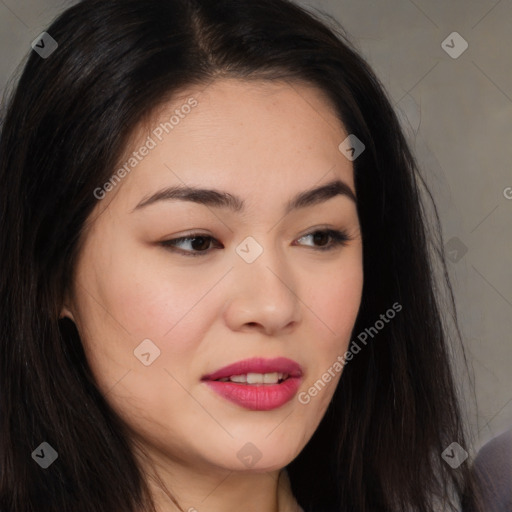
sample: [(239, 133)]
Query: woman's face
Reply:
[(155, 320)]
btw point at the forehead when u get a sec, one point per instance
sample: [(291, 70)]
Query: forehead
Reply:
[(248, 137)]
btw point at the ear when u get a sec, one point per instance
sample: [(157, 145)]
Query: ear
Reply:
[(65, 312)]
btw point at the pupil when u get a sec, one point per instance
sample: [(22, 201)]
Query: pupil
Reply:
[(320, 236), (203, 239)]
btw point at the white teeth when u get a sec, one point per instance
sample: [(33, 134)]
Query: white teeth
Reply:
[(238, 378), (256, 378), (270, 378)]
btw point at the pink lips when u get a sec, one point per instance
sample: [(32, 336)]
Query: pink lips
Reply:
[(257, 397)]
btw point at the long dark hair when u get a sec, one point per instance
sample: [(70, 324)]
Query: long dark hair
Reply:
[(379, 445)]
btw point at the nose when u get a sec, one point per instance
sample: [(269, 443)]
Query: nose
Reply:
[(263, 294)]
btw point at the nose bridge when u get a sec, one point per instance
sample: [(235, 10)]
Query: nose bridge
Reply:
[(262, 261), (265, 287)]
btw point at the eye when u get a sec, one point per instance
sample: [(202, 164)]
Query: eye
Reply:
[(338, 238), (200, 244)]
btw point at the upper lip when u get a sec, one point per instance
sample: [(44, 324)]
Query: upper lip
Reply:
[(257, 365)]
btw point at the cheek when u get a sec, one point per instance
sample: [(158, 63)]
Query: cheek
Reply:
[(334, 299), (150, 298), (133, 301)]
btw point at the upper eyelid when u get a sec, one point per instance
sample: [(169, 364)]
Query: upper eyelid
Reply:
[(325, 226), (311, 231)]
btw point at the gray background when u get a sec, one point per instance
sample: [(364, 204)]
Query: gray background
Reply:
[(457, 113)]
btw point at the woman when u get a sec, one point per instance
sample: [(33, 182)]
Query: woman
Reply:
[(295, 358)]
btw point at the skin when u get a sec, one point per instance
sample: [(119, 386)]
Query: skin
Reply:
[(263, 142)]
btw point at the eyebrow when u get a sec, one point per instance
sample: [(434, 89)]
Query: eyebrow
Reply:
[(221, 199)]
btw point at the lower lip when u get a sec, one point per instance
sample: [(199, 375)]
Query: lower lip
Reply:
[(263, 397)]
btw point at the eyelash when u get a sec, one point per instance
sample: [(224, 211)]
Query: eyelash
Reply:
[(339, 238)]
